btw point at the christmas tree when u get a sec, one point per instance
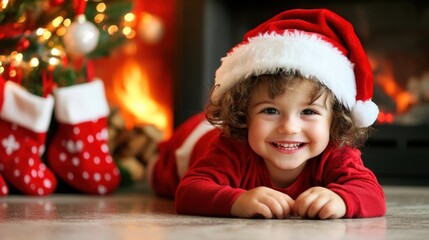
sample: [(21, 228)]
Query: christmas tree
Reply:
[(46, 54), (46, 43)]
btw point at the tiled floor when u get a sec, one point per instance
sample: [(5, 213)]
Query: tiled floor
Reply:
[(139, 215)]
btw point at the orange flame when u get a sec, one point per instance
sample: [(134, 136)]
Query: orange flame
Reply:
[(385, 78), (132, 92)]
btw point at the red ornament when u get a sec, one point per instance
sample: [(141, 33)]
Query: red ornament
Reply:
[(23, 44), (13, 73), (11, 30), (55, 3), (79, 7)]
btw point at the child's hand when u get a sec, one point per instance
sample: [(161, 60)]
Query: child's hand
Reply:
[(262, 201), (319, 202)]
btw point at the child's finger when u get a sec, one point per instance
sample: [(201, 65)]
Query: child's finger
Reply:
[(288, 204), (316, 206), (302, 204), (284, 204), (275, 206)]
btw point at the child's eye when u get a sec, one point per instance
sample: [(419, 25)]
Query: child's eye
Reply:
[(308, 112), (270, 111)]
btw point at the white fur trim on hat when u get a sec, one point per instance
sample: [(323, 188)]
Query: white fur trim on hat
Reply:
[(26, 109), (292, 50), (81, 103), (365, 113)]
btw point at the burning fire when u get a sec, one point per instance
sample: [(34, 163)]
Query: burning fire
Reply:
[(402, 98), (385, 79), (132, 91)]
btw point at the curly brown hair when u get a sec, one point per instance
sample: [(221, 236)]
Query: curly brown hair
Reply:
[(230, 113)]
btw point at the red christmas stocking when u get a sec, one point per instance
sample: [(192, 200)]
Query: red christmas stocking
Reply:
[(24, 121), (79, 153), (4, 190)]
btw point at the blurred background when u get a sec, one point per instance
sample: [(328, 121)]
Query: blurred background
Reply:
[(157, 59)]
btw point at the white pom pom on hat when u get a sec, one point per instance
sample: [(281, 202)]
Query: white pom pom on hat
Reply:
[(316, 42)]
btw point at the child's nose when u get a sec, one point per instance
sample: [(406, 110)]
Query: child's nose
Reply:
[(289, 125)]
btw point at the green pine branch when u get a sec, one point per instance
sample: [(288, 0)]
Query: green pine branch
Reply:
[(32, 11)]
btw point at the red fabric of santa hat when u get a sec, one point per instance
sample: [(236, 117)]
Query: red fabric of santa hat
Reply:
[(316, 42)]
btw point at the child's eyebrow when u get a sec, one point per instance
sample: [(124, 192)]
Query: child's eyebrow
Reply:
[(262, 101), (318, 103)]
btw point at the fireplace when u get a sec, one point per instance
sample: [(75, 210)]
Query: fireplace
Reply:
[(138, 75), (395, 35), (138, 80)]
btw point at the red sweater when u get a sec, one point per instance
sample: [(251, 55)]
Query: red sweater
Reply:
[(222, 168)]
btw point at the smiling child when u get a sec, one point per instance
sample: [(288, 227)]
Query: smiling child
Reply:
[(281, 133)]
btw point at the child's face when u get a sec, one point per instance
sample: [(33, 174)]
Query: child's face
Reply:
[(288, 130)]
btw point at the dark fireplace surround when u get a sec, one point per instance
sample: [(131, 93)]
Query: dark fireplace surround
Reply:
[(398, 153)]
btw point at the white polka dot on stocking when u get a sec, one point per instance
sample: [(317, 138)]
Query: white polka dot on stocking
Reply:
[(20, 163), (81, 159)]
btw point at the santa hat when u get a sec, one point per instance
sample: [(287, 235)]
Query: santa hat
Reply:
[(318, 43)]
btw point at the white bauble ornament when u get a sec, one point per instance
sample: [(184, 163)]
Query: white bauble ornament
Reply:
[(150, 28), (81, 37)]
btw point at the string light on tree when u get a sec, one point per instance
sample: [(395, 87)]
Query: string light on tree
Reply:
[(57, 40), (150, 28)]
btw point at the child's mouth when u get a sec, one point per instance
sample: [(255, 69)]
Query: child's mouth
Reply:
[(288, 146)]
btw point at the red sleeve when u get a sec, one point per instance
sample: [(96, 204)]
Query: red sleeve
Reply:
[(211, 185), (345, 174)]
